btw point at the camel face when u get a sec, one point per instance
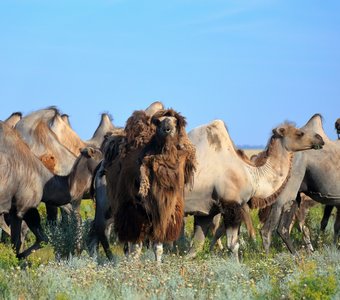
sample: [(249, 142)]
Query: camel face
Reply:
[(295, 139), (166, 126)]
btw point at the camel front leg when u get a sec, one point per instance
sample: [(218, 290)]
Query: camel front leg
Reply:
[(158, 250), (337, 226), (76, 210), (201, 227), (32, 219), (232, 217), (16, 232), (232, 240)]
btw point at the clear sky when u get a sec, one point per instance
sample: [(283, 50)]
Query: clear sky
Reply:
[(253, 64)]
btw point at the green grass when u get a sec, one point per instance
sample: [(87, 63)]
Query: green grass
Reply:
[(215, 275)]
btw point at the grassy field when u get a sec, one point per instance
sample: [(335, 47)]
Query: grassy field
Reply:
[(215, 275)]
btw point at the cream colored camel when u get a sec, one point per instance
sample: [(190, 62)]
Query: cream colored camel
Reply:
[(225, 181)]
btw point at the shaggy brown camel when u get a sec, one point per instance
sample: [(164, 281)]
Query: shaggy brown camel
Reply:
[(146, 179), (101, 225), (224, 181)]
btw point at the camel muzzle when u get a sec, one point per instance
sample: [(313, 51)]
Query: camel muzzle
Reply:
[(320, 142)]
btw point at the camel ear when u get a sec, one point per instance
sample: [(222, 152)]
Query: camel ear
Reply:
[(279, 132), (181, 122), (87, 152)]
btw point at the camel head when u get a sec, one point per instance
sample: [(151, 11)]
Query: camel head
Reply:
[(168, 124), (89, 152), (337, 127), (295, 139), (82, 171)]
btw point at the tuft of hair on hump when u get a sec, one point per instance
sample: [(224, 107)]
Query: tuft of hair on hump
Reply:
[(17, 113), (54, 108), (106, 113)]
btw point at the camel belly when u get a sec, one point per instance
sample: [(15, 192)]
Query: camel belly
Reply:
[(327, 199)]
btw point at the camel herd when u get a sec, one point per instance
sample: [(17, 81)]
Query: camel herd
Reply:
[(146, 177)]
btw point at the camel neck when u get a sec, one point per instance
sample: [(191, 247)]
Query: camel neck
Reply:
[(270, 177)]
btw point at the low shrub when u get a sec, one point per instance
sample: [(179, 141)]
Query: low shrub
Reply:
[(8, 258)]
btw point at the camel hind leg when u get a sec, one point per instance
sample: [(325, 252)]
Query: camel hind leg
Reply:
[(16, 232), (326, 215), (201, 227), (284, 225), (32, 218), (337, 226)]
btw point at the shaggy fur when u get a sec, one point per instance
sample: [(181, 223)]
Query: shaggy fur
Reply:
[(232, 214), (146, 179)]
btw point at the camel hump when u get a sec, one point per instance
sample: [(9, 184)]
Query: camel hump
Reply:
[(315, 124)]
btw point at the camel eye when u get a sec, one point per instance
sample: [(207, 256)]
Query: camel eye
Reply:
[(300, 134)]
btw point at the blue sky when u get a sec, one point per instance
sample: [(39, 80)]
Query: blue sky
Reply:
[(253, 64)]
